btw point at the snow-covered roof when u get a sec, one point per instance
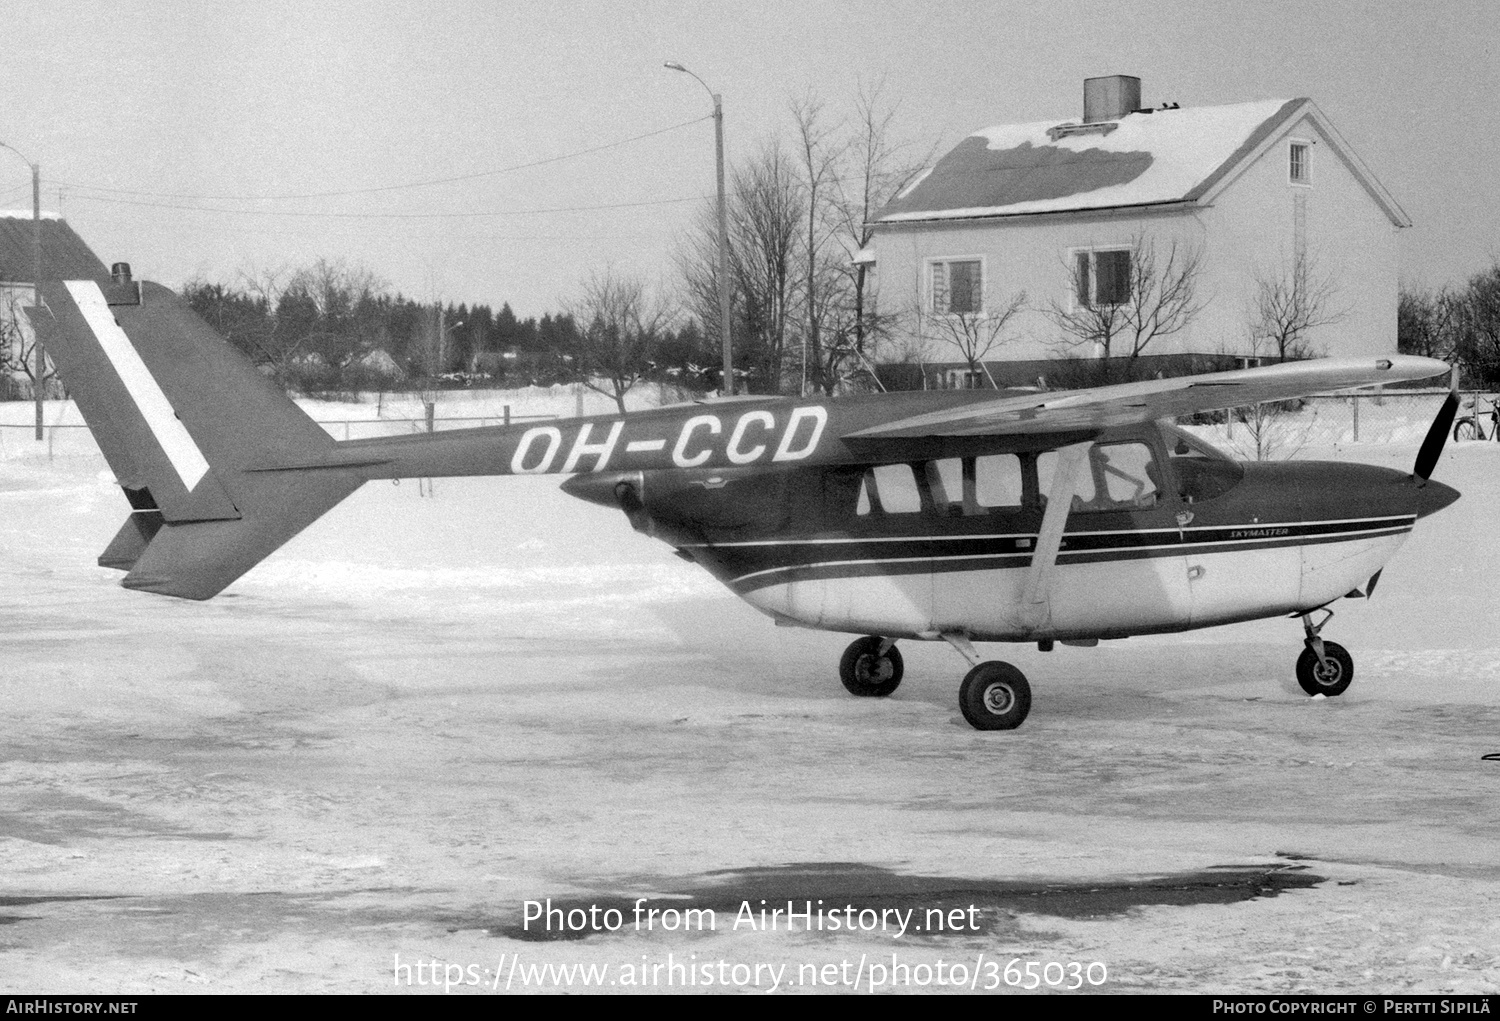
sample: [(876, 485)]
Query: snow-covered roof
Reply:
[(1144, 158)]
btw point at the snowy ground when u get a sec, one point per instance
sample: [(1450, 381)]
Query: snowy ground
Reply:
[(427, 710)]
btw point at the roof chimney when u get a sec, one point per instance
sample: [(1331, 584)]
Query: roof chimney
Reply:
[(1110, 98)]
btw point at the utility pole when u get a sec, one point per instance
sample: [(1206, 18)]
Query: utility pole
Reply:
[(727, 389), (36, 294), (36, 276)]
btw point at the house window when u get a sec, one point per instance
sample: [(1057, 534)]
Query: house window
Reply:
[(961, 379), (957, 287), (1101, 277), (1299, 163)]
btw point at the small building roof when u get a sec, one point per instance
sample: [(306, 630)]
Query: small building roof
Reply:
[(1145, 158), (65, 256)]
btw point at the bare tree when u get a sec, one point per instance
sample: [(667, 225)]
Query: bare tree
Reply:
[(343, 298), (765, 217), (1271, 430), (796, 223), (265, 285), (1477, 330), (1287, 304), (1120, 300), (1427, 322), (876, 168), (823, 281), (621, 322), (18, 342), (974, 334)]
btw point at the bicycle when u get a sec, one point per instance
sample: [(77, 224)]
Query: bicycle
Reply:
[(1468, 428)]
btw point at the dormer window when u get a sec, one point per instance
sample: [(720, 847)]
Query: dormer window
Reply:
[(1299, 163)]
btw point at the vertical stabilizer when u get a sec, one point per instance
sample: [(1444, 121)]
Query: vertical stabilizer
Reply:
[(179, 414)]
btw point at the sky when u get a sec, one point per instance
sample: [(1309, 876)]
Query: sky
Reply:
[(203, 140)]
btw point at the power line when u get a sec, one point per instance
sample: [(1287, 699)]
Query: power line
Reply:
[(393, 187), (388, 216), (351, 229)]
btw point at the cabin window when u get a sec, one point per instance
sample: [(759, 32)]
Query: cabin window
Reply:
[(1299, 163), (1101, 278), (945, 481), (1046, 470), (1126, 470), (1202, 471), (889, 489), (1119, 476), (997, 480), (957, 286), (968, 486)]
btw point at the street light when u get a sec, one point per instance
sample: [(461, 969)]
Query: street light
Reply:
[(36, 276), (728, 388), (443, 331)]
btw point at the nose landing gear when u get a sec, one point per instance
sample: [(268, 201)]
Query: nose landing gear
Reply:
[(1324, 668)]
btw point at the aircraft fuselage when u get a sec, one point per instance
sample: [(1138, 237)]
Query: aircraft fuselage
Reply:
[(1157, 540)]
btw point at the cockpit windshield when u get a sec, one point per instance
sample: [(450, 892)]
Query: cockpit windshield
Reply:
[(1203, 471)]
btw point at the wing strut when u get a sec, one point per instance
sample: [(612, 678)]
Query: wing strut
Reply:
[(1036, 596)]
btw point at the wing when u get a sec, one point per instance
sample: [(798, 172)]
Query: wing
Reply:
[(1102, 407)]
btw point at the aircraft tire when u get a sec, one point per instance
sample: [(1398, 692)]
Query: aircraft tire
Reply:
[(1465, 430), (995, 696), (1315, 679), (868, 674)]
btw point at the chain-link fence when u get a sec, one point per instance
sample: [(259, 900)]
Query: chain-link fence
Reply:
[(1278, 431), (71, 438)]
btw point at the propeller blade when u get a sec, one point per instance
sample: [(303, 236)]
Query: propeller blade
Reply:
[(1437, 435)]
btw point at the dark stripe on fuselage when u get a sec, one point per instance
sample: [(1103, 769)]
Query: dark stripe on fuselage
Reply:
[(752, 565)]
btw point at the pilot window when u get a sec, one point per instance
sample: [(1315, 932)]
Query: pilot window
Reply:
[(1126, 470), (1046, 469), (1202, 471), (889, 489), (1120, 476)]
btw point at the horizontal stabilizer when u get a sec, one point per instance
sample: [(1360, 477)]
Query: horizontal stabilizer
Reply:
[(131, 540), (198, 559)]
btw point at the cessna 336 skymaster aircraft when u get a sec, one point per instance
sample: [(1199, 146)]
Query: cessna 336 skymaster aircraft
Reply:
[(962, 516)]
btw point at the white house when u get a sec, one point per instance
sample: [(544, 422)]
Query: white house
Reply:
[(1260, 195)]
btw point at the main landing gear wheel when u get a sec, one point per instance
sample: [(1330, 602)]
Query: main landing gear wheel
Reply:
[(995, 696), (1466, 429), (1330, 676), (869, 671)]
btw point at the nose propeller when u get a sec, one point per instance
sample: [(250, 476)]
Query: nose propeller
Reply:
[(1437, 435)]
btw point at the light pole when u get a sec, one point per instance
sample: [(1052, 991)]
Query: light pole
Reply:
[(728, 387), (443, 333), (36, 278)]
